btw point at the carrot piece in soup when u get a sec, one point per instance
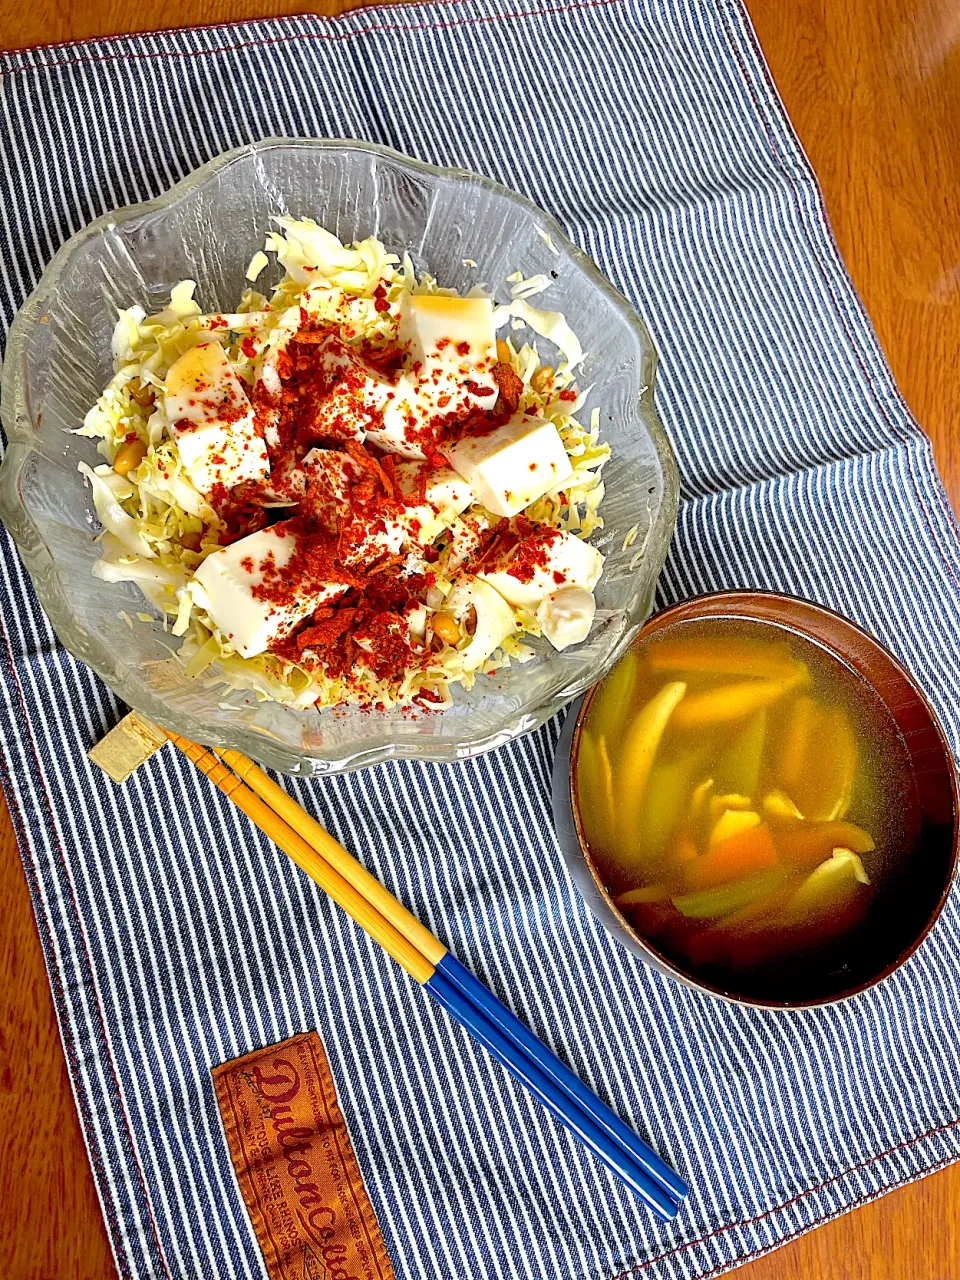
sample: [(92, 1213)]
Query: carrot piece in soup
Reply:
[(818, 762), (804, 845), (731, 702), (742, 855), (825, 787), (721, 656)]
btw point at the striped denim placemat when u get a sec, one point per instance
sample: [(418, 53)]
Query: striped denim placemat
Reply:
[(176, 938)]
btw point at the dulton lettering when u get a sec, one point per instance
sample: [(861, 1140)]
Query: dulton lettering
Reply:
[(277, 1091), (295, 1164)]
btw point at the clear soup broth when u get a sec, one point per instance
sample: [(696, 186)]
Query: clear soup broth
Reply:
[(745, 797)]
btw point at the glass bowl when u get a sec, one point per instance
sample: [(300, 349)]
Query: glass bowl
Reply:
[(917, 881), (207, 228)]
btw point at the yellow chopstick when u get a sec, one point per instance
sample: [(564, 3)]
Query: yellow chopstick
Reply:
[(316, 852), (307, 858), (338, 857)]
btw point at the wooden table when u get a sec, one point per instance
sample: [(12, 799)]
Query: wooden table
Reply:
[(873, 88)]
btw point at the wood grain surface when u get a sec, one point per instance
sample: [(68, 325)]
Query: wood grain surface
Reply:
[(873, 88)]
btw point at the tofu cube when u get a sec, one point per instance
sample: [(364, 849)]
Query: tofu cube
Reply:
[(450, 348), (206, 404), (541, 564), (455, 334), (328, 473), (327, 502), (284, 487), (372, 540), (404, 427), (513, 465), (352, 406), (443, 487), (443, 491), (223, 586)]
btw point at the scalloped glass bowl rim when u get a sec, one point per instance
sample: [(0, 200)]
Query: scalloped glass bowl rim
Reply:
[(85, 645)]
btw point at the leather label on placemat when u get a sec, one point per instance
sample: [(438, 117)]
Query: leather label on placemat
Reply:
[(295, 1163)]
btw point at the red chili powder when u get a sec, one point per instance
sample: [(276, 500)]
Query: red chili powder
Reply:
[(518, 547), (339, 509)]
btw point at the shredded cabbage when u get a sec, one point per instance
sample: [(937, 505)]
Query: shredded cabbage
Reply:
[(158, 528), (551, 325)]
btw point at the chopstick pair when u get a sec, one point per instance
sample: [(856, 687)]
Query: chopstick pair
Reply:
[(426, 959)]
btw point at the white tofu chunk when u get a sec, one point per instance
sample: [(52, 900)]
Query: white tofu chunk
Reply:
[(494, 619), (354, 394), (328, 473), (404, 427), (374, 540), (212, 419), (326, 304), (541, 564), (334, 464), (284, 487), (566, 616), (456, 334), (450, 349), (443, 490), (514, 465), (353, 405), (223, 586), (443, 487), (362, 403)]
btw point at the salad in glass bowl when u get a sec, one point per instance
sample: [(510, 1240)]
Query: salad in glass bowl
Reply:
[(351, 490), (460, 228)]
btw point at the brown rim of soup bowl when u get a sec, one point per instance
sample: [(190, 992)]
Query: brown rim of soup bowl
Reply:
[(933, 768)]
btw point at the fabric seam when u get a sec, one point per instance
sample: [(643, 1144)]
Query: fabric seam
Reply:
[(285, 19), (149, 54), (830, 1216), (786, 1204)]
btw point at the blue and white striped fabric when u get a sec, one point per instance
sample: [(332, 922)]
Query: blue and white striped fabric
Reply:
[(176, 938)]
